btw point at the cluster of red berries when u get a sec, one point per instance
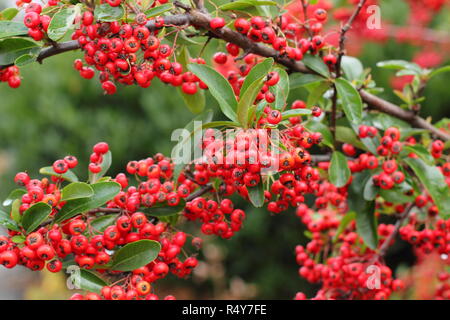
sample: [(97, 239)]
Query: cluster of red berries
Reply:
[(427, 236), (115, 49), (354, 273), (11, 75), (96, 158), (36, 23)]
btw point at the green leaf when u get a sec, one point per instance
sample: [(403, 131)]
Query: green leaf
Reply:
[(7, 222), (400, 65), (281, 89), (316, 64), (100, 224), (106, 13), (219, 87), (316, 92), (294, 113), (366, 224), (256, 195), (345, 221), (18, 239), (347, 135), (25, 59), (245, 4), (8, 14), (158, 10), (76, 190), (163, 209), (420, 151), (90, 281), (298, 80), (316, 126), (352, 67), (215, 124), (370, 190), (105, 165), (135, 255), (247, 100), (409, 132), (68, 176), (15, 212), (13, 195), (103, 192), (256, 73), (62, 22), (439, 71), (35, 215), (338, 171), (13, 48), (434, 181), (12, 28), (395, 195), (351, 100), (172, 220)]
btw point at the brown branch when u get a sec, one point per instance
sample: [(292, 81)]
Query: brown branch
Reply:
[(201, 20), (406, 115), (387, 242), (204, 189), (342, 37)]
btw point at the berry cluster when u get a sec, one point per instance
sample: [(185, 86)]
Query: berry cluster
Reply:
[(36, 23), (11, 75)]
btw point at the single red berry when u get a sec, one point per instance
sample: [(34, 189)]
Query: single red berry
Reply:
[(217, 23)]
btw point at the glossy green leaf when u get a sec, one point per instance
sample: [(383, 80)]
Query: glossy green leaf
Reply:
[(434, 181), (205, 117), (104, 12), (256, 195), (18, 239), (13, 195), (316, 92), (68, 176), (247, 100), (91, 281), (399, 65), (8, 13), (13, 48), (219, 88), (35, 215), (298, 80), (370, 190), (100, 224), (366, 224), (7, 222), (420, 151), (338, 172), (395, 195), (135, 255), (439, 71), (347, 135), (158, 10), (294, 113), (352, 67), (76, 190), (103, 192), (12, 28), (25, 59), (15, 212), (62, 22), (316, 64), (105, 165), (256, 73), (350, 99), (245, 4), (281, 89)]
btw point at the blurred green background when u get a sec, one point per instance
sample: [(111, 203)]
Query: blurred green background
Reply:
[(55, 112)]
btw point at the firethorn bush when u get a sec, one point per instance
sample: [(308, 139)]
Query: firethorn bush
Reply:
[(359, 172)]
